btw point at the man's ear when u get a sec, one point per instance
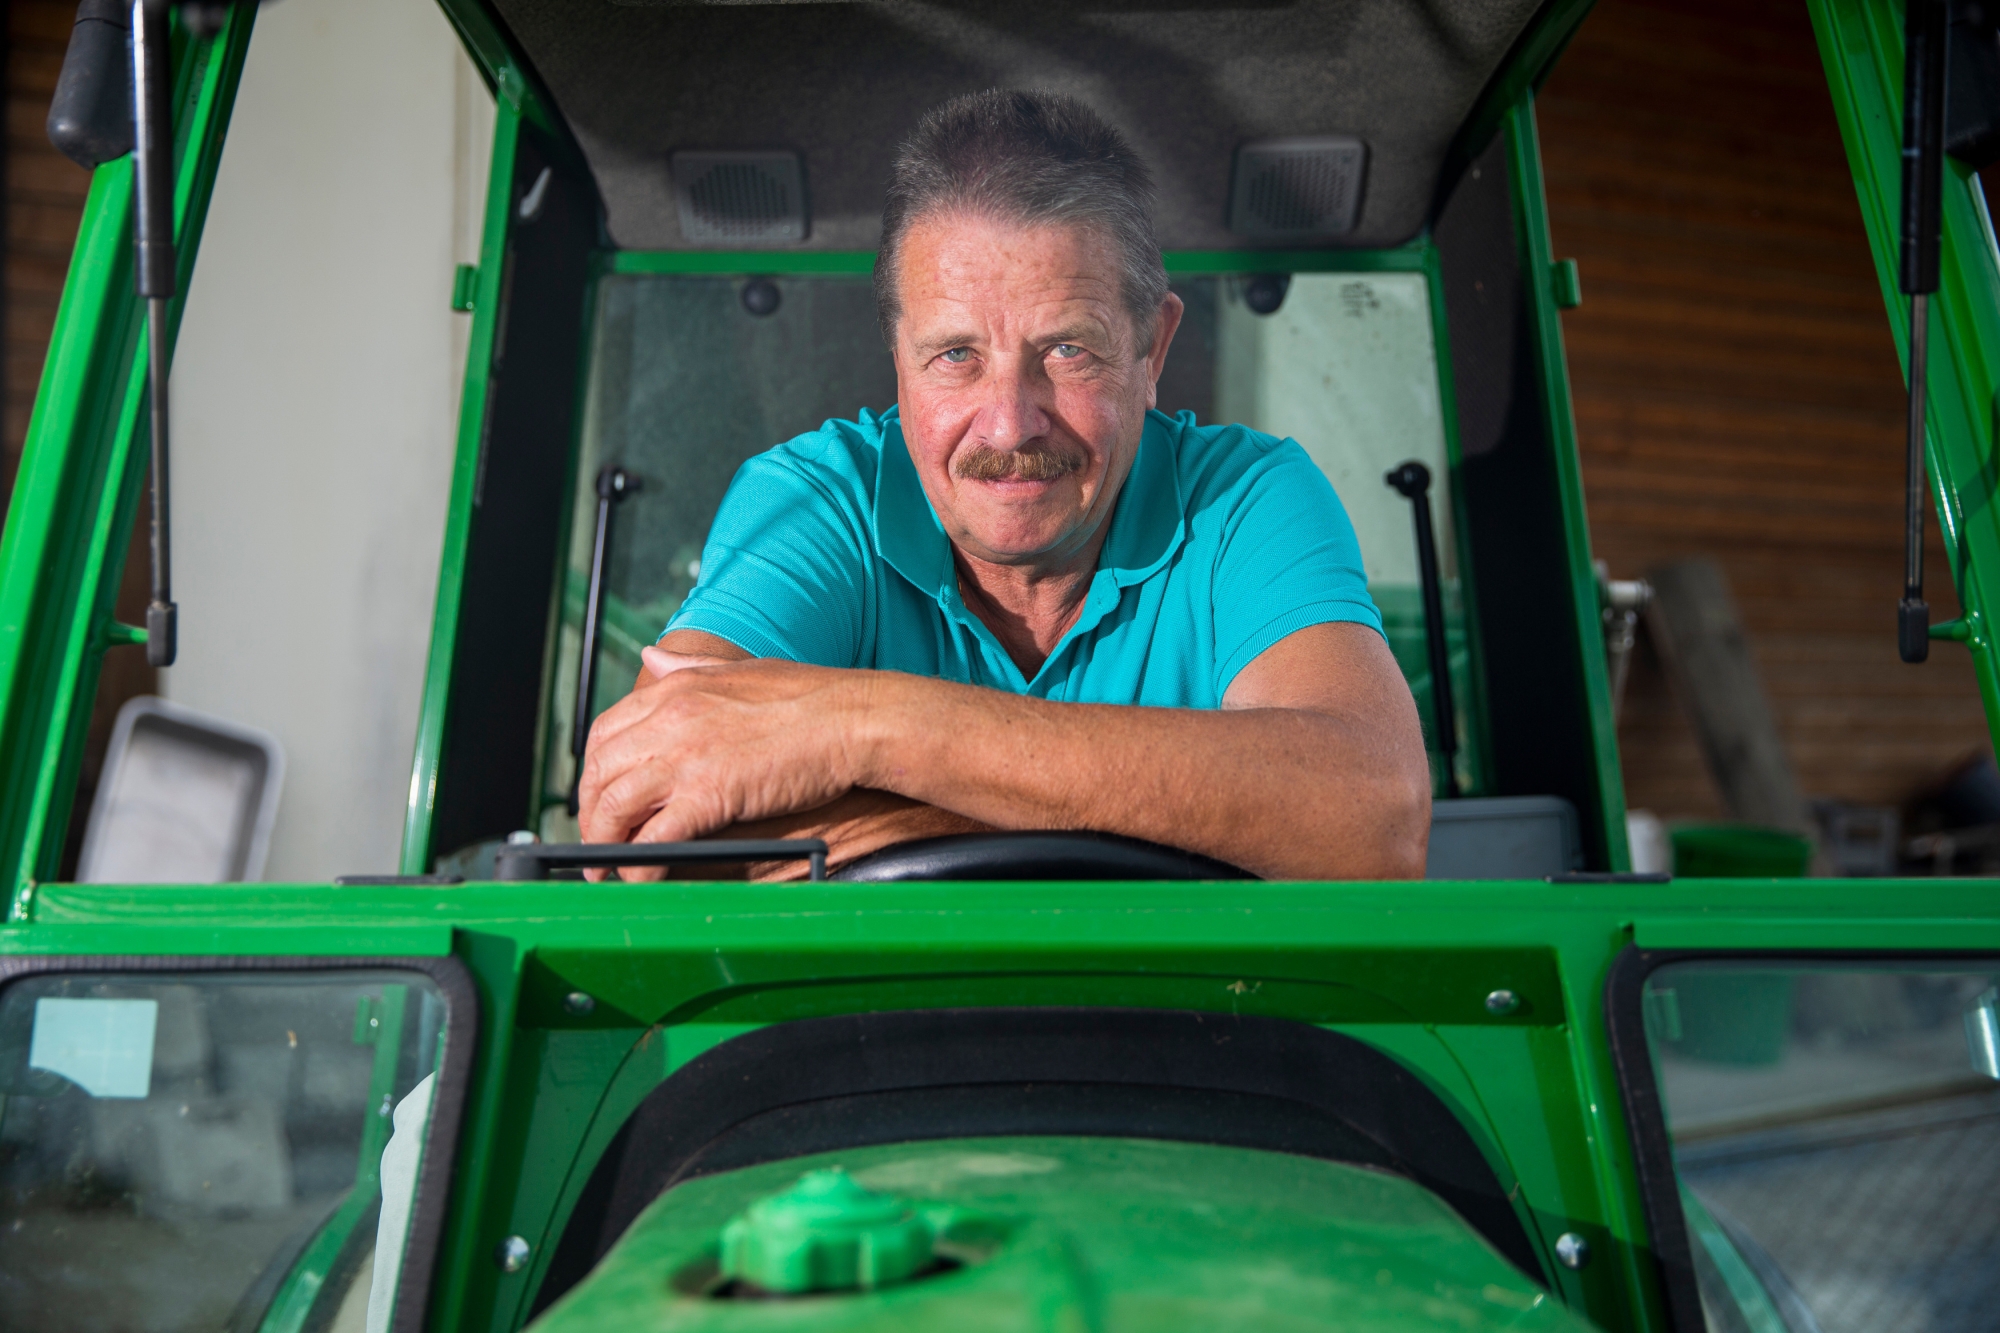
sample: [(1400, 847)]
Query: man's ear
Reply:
[(1171, 310)]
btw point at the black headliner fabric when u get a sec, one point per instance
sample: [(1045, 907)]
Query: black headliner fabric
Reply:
[(842, 82)]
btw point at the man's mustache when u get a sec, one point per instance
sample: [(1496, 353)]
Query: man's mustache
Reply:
[(1042, 462)]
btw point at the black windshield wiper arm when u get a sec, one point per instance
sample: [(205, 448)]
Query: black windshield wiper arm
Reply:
[(614, 483)]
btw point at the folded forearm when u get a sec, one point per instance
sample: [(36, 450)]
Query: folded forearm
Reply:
[(1285, 793)]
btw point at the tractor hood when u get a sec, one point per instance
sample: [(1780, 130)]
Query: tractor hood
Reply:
[(1119, 1235)]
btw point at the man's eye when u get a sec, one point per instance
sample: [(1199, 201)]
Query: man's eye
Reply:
[(958, 355), (1067, 351)]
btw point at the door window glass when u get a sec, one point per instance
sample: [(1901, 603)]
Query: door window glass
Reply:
[(1836, 1130), (206, 1151)]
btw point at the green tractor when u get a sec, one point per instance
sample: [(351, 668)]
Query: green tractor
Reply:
[(1047, 1081)]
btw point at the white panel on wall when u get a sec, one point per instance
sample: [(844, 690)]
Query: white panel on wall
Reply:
[(315, 401)]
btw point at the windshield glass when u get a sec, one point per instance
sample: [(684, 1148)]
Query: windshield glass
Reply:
[(1836, 1131), (198, 1151), (692, 374)]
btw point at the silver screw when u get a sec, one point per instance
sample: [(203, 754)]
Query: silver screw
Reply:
[(578, 1003), (1502, 1002), (1572, 1249), (512, 1254)]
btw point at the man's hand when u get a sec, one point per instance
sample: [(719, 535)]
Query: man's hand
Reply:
[(702, 743)]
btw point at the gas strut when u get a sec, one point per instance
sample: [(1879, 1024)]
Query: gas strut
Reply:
[(1413, 482), (153, 172), (613, 484), (1925, 25)]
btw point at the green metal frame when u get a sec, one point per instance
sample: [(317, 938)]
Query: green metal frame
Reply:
[(519, 101), (1546, 284), (1861, 45), (82, 469)]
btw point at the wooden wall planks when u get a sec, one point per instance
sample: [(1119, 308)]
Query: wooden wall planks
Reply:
[(1737, 392), (45, 196), (45, 193)]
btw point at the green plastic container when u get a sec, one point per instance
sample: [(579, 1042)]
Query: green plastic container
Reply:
[(1739, 851), (1735, 1018)]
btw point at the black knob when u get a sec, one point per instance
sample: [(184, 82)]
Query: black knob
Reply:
[(761, 297), (1410, 480), (1266, 292)]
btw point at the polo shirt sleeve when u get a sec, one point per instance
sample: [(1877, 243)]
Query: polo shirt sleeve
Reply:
[(783, 570), (1288, 558)]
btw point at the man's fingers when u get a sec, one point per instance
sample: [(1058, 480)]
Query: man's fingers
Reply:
[(620, 807), (676, 823), (680, 821)]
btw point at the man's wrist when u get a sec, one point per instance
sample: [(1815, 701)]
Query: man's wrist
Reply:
[(877, 730)]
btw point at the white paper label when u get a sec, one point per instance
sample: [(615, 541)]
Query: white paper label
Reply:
[(104, 1047)]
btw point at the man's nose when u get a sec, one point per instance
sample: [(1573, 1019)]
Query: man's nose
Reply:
[(1013, 414)]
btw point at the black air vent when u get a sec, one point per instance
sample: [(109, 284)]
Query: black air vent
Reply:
[(1297, 188), (740, 198)]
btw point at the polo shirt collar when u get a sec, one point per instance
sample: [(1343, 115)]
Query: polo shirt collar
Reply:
[(1147, 527)]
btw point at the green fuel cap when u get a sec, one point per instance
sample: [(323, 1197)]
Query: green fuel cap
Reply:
[(825, 1233)]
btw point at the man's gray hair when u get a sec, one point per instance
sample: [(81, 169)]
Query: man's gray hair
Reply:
[(1036, 159)]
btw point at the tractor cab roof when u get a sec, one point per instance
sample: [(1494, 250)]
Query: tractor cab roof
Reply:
[(839, 84)]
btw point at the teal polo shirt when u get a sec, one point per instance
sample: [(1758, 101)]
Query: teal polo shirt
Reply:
[(1224, 541)]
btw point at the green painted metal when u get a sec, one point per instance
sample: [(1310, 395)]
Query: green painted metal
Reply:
[(1121, 1235), (77, 491), (1568, 283), (485, 297), (1531, 231), (519, 99), (679, 967), (1861, 45), (1411, 258)]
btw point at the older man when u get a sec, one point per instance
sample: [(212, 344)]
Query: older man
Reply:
[(1022, 598)]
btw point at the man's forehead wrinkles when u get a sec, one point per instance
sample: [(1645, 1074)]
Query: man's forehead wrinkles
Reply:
[(1031, 321)]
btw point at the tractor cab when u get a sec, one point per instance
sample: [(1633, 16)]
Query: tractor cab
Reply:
[(1025, 1083), (704, 260)]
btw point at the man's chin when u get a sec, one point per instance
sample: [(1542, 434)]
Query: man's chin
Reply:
[(1015, 547), (1018, 522)]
